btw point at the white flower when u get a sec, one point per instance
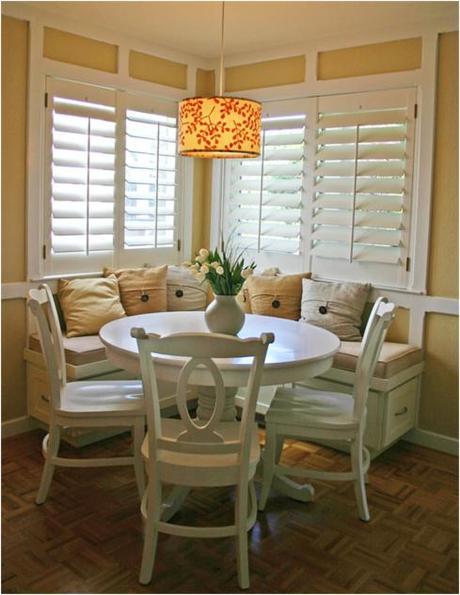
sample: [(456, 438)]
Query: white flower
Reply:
[(245, 273), (200, 276), (187, 264), (196, 266), (204, 269), (220, 270), (214, 265), (203, 252), (201, 259)]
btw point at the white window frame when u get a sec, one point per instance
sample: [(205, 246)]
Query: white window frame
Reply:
[(265, 258), (41, 67), (422, 80)]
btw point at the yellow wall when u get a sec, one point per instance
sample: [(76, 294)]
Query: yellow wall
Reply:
[(439, 400), (443, 269), (377, 58), (157, 70), (202, 176), (14, 102), (83, 51), (271, 73)]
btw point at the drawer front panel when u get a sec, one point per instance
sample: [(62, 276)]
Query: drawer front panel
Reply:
[(38, 393), (401, 410)]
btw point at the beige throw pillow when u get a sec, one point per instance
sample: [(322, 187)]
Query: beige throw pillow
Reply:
[(88, 304), (184, 292), (336, 307), (278, 296), (143, 290)]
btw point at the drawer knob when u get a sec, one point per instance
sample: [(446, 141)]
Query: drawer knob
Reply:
[(401, 411), (45, 398)]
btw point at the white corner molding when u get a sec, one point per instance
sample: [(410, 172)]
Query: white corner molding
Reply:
[(19, 425), (432, 440)]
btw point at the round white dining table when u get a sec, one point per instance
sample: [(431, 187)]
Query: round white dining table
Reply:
[(299, 351)]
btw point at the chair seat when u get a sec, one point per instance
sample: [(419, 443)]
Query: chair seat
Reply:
[(104, 397), (312, 408), (203, 469)]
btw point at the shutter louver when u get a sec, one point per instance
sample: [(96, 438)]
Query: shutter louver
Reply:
[(264, 204), (150, 180), (360, 189), (82, 176)]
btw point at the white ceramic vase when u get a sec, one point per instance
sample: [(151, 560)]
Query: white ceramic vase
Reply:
[(224, 315)]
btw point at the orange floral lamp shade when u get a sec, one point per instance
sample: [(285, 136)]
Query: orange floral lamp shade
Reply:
[(219, 127)]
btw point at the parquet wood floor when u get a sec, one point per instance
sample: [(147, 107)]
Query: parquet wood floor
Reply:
[(87, 537)]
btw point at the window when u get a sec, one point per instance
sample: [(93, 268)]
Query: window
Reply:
[(331, 192), (107, 149), (263, 206), (362, 181)]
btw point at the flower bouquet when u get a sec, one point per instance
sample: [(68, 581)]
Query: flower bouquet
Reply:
[(225, 272)]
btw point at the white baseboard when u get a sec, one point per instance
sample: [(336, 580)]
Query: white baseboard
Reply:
[(18, 426), (432, 440)]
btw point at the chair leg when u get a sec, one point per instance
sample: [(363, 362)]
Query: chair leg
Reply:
[(279, 447), (54, 439), (241, 514), (150, 531), (269, 462), (138, 437), (359, 481)]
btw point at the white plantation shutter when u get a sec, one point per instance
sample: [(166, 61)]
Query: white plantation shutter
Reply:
[(151, 179), (81, 150), (263, 202), (361, 192)]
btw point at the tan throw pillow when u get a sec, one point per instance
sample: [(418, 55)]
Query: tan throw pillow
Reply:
[(184, 292), (336, 307), (88, 304), (143, 290), (276, 296)]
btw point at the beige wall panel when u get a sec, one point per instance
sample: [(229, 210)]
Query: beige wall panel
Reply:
[(79, 50), (399, 329), (273, 73), (443, 266), (377, 58), (157, 70), (14, 105), (14, 401), (205, 82), (439, 399), (202, 176)]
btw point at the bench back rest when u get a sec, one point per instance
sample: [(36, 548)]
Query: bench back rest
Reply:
[(377, 325), (200, 437), (43, 308)]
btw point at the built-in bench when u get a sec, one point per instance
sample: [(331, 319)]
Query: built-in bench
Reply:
[(392, 404)]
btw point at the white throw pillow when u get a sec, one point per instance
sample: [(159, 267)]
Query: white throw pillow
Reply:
[(336, 307), (184, 292)]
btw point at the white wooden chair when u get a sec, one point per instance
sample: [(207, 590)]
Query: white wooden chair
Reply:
[(190, 452), (302, 413), (104, 403)]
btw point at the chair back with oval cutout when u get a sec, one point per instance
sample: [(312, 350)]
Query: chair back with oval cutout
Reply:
[(379, 320), (200, 350), (43, 307)]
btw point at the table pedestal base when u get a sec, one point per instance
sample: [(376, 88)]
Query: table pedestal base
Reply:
[(207, 400)]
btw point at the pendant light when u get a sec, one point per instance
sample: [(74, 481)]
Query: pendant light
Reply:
[(219, 127)]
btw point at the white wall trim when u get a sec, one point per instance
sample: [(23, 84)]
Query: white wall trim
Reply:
[(432, 440), (19, 425)]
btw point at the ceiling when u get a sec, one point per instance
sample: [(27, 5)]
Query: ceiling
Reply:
[(194, 27)]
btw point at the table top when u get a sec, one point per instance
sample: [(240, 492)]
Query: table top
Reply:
[(295, 342)]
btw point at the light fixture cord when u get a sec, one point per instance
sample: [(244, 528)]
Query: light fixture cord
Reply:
[(221, 69)]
